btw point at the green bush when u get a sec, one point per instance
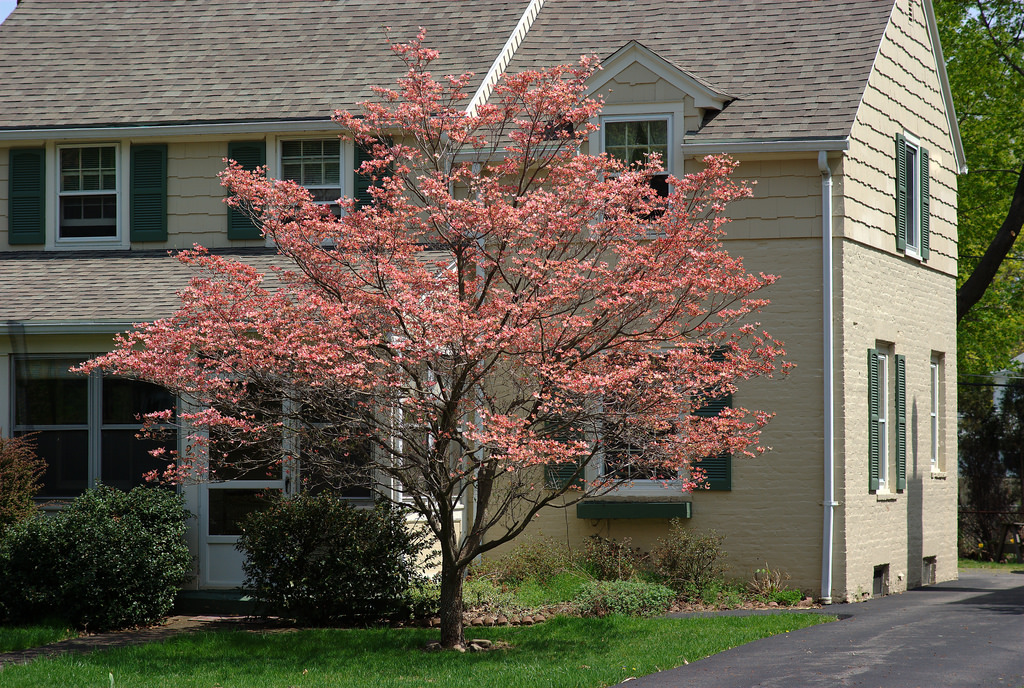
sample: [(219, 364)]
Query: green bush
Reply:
[(628, 597), (20, 474), (608, 560), (539, 559), (786, 597), (320, 561), (109, 560), (687, 561)]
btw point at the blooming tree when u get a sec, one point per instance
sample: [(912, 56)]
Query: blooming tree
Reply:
[(504, 305)]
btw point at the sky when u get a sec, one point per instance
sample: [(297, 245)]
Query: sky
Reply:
[(6, 7)]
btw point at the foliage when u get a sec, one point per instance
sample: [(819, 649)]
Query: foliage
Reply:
[(21, 473), (556, 590), (608, 560), (321, 561), (629, 597), (110, 559), (487, 596), (985, 492), (686, 560), (537, 559), (561, 295), (766, 581), (988, 93), (561, 653)]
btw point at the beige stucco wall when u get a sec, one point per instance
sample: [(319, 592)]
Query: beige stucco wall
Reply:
[(888, 298)]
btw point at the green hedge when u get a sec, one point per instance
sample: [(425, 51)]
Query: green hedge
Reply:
[(318, 560), (109, 560)]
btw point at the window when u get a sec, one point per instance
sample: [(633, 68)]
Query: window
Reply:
[(632, 140), (315, 164), (912, 197), (86, 425), (933, 414), (884, 430), (88, 191)]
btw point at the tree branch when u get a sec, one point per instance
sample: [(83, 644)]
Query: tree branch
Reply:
[(971, 291)]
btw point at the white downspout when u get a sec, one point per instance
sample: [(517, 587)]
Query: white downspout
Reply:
[(829, 365)]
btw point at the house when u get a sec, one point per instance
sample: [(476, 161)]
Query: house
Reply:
[(839, 111)]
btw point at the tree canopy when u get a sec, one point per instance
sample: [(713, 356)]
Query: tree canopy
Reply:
[(983, 43), (504, 305)]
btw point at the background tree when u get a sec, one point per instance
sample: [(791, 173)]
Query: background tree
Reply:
[(984, 494), (504, 304), (982, 43)]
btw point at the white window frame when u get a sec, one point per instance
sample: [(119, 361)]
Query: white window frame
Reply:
[(666, 117), (883, 420), (344, 164), (120, 199), (913, 246)]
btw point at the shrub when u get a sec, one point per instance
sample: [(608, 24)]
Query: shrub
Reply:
[(539, 559), (20, 474), (629, 597), (770, 585), (606, 559), (320, 561), (109, 560), (687, 561)]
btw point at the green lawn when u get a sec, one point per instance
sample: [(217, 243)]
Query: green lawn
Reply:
[(14, 638), (561, 652), (990, 566)]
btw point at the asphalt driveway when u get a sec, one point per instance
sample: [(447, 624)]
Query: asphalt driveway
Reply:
[(968, 632)]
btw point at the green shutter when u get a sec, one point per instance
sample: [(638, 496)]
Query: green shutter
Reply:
[(149, 193), (874, 410), (558, 475), (361, 191), (901, 192), (250, 155), (717, 469), (901, 422), (26, 196), (925, 213)]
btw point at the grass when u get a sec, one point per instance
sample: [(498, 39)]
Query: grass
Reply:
[(14, 638), (561, 652), (990, 566)]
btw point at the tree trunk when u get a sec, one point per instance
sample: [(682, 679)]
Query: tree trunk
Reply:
[(971, 291), (451, 606)]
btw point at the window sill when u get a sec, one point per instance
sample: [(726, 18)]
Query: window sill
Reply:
[(624, 510), (886, 496), (938, 475)]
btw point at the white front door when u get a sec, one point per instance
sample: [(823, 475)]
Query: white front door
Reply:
[(221, 507)]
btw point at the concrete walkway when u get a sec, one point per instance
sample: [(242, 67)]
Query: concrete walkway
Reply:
[(968, 632)]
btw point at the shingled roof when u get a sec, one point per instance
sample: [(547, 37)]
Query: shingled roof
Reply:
[(798, 68), (68, 63), (101, 286)]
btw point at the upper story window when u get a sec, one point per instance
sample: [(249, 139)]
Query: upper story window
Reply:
[(912, 197), (88, 192), (315, 164), (87, 195), (632, 140)]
